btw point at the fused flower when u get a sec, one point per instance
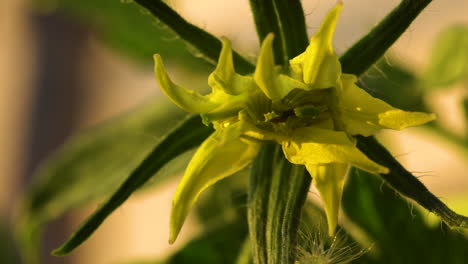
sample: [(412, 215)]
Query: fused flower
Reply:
[(311, 108)]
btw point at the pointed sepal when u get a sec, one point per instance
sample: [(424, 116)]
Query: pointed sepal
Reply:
[(365, 115), (222, 154), (189, 100), (267, 76), (329, 181), (319, 64), (316, 146)]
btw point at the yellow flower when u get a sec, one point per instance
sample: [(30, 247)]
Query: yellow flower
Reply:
[(311, 108)]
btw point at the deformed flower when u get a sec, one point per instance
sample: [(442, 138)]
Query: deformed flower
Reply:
[(311, 108)]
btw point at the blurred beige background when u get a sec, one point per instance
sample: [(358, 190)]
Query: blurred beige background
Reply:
[(105, 77)]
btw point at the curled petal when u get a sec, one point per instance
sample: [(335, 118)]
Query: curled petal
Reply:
[(222, 154), (189, 100), (317, 146), (319, 63), (365, 115), (224, 78), (329, 180), (275, 85)]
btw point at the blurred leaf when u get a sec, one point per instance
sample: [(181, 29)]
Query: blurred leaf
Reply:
[(90, 166), (226, 202), (188, 134), (465, 108), (8, 251), (127, 28), (207, 45), (391, 82), (400, 233), (408, 184), (448, 63), (219, 245)]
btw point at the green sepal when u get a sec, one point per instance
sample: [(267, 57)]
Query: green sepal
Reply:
[(222, 154)]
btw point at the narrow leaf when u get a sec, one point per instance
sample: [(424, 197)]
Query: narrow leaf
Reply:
[(219, 245), (68, 178), (407, 184), (385, 218), (207, 44), (291, 23), (175, 143), (266, 21), (114, 23), (362, 55)]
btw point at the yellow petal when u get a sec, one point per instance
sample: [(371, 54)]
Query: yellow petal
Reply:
[(317, 146), (319, 63), (273, 84), (189, 100), (366, 115), (224, 78), (220, 155), (329, 180)]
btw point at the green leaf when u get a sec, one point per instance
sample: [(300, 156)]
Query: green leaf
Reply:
[(368, 50), (285, 19), (8, 249), (400, 233), (448, 63), (124, 27), (465, 108), (219, 245), (407, 184), (175, 143), (104, 155), (208, 45), (266, 21), (292, 24), (395, 85)]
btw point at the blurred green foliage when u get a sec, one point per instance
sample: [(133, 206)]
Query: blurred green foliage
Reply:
[(8, 250), (128, 29), (92, 165), (400, 233), (448, 62), (391, 82)]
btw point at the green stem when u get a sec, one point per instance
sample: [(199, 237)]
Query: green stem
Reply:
[(362, 55), (258, 201), (288, 192), (207, 44), (277, 194)]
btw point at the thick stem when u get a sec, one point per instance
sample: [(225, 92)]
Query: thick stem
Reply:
[(277, 194)]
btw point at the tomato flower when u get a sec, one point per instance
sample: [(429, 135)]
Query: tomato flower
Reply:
[(310, 107)]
